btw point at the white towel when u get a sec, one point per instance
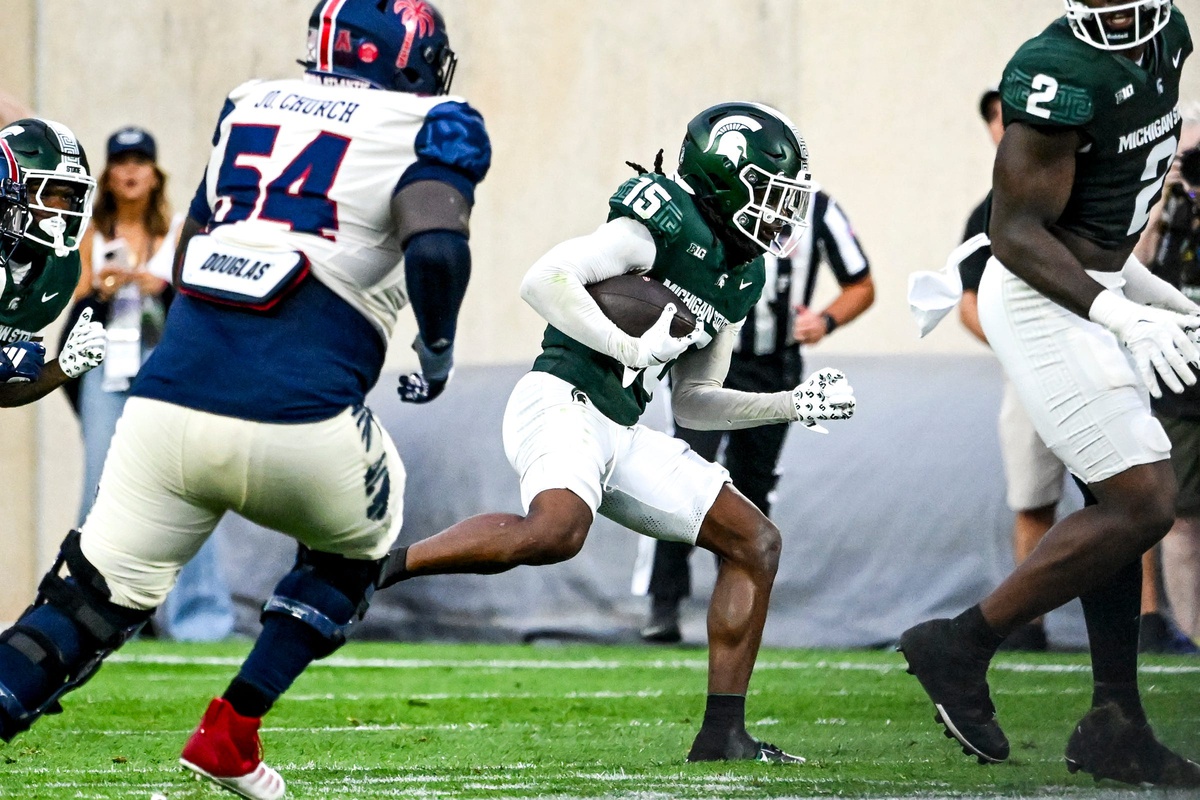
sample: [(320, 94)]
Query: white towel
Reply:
[(932, 294)]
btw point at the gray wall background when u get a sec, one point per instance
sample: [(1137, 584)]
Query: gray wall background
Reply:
[(885, 91)]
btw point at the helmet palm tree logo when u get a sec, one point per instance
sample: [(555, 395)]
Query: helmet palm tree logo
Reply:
[(417, 19), (726, 137)]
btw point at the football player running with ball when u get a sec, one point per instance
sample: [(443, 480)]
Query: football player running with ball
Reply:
[(324, 197), (571, 426), (1084, 332)]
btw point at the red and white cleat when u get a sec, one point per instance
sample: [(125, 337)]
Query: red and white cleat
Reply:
[(226, 749)]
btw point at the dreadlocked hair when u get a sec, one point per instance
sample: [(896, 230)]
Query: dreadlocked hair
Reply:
[(640, 170)]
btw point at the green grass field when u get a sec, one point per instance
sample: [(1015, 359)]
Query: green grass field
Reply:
[(395, 720)]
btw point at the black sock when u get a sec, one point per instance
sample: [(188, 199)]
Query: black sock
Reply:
[(1113, 613), (1126, 697), (724, 712), (247, 699), (976, 630)]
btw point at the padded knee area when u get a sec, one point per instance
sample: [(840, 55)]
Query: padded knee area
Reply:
[(60, 641), (325, 592)]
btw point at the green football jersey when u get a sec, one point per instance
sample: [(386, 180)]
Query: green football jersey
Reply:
[(1127, 114), (690, 261), (27, 308)]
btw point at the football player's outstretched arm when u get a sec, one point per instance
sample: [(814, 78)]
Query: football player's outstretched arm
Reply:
[(22, 394), (554, 287), (700, 402)]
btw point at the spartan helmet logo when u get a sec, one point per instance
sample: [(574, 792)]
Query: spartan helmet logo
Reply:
[(726, 137)]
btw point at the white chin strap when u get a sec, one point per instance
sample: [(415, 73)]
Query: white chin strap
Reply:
[(55, 228)]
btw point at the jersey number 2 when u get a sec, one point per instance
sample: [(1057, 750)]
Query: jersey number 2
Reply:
[(298, 197), (1157, 164)]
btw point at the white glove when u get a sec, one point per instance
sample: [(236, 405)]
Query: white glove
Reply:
[(825, 395), (657, 346), (84, 348), (1157, 338)]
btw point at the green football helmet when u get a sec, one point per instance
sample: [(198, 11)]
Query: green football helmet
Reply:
[(56, 179), (747, 167)]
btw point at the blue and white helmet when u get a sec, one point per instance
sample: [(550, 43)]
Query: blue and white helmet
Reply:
[(1118, 27), (398, 45), (14, 204)]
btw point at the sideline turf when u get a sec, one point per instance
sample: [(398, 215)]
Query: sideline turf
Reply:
[(398, 720)]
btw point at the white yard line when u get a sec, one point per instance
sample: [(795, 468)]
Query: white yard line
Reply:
[(611, 664)]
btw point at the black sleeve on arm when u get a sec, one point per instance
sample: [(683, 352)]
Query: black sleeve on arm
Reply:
[(437, 266)]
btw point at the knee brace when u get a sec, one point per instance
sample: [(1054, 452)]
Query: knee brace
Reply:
[(326, 592), (61, 640)]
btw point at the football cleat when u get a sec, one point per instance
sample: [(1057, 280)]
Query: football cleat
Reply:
[(1107, 744), (955, 679), (226, 749), (738, 746)]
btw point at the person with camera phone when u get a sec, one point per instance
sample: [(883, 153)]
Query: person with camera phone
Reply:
[(1170, 247)]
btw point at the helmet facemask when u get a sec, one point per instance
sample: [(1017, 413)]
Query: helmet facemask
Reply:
[(54, 227), (1148, 17), (777, 213), (14, 217)]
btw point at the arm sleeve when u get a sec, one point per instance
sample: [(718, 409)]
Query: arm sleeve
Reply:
[(437, 267), (554, 285), (700, 402), (1143, 286)]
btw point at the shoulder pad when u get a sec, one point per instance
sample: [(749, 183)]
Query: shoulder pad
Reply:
[(653, 201), (1050, 83), (454, 135)]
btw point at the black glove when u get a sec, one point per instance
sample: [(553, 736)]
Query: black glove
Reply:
[(437, 366)]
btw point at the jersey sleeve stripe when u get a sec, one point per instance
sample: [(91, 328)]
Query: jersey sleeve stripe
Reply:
[(842, 249)]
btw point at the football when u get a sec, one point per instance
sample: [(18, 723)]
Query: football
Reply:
[(635, 302)]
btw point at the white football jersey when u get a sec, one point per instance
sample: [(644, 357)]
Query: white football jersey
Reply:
[(306, 166)]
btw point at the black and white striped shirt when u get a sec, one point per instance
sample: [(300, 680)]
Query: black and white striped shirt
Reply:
[(790, 281)]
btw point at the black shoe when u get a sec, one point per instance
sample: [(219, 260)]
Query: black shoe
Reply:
[(1158, 634), (663, 625), (955, 678), (1107, 744), (738, 746), (1030, 637)]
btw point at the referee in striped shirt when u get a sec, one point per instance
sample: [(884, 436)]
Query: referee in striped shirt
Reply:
[(767, 359)]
